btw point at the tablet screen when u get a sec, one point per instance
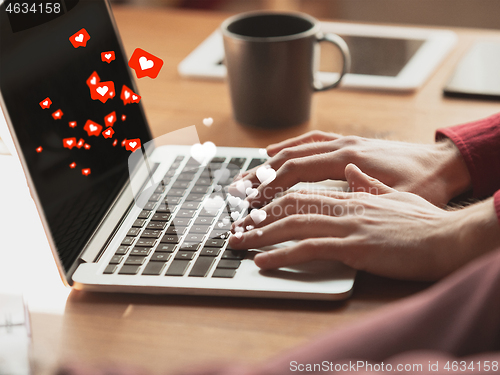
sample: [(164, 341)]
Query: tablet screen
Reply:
[(380, 56)]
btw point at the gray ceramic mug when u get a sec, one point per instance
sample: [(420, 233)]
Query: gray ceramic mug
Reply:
[(270, 60)]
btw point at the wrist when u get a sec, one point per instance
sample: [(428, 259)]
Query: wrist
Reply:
[(452, 170), (477, 230)]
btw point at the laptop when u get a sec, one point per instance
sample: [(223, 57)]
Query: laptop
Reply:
[(120, 214)]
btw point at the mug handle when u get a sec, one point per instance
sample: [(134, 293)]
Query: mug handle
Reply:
[(344, 50)]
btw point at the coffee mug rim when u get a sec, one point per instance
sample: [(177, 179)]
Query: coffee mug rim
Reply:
[(312, 31)]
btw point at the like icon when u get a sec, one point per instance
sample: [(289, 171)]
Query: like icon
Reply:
[(108, 56), (92, 128), (132, 144), (128, 96), (108, 133), (46, 103), (80, 38), (110, 119), (145, 64), (103, 91), (57, 114)]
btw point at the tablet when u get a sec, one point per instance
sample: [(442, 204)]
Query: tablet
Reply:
[(383, 57)]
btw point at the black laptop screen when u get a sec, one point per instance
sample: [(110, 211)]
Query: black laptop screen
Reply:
[(74, 109)]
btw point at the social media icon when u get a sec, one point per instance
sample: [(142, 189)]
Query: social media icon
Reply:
[(93, 80), (124, 142), (110, 119), (57, 115), (72, 124), (103, 91), (92, 128), (69, 143), (80, 38), (124, 117), (127, 95), (46, 103), (39, 149), (145, 64), (115, 142), (86, 146), (108, 56), (86, 171), (72, 165), (136, 98), (80, 143), (108, 133), (132, 144)]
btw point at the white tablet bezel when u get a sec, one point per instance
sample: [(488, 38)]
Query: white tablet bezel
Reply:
[(203, 62)]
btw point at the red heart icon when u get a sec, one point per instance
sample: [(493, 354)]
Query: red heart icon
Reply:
[(93, 80), (80, 143), (92, 128), (110, 119), (132, 144), (86, 171), (103, 91), (72, 124), (57, 114), (145, 64), (108, 56), (124, 117), (115, 142), (86, 146), (80, 38), (46, 103), (128, 96), (39, 149), (108, 133), (72, 165), (69, 142)]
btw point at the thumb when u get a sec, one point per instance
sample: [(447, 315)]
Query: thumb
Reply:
[(360, 182)]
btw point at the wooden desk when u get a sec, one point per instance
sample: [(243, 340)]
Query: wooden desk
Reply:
[(162, 333)]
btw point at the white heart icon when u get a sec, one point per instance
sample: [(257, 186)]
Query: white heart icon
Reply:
[(69, 142), (134, 97), (266, 174), (239, 229), (222, 174), (145, 63), (208, 121), (102, 90), (238, 235), (92, 128), (244, 205), (93, 81), (258, 216), (107, 56), (132, 144), (251, 193), (200, 152), (263, 151), (45, 102), (214, 203), (235, 215), (111, 118), (127, 95), (234, 201), (240, 188), (259, 233), (226, 221), (249, 227), (79, 38)]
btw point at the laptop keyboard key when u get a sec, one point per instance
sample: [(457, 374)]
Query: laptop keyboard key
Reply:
[(155, 197), (157, 225), (161, 217), (116, 259), (202, 267), (160, 257), (234, 254), (209, 252), (224, 272), (150, 206), (110, 269), (133, 231), (177, 268), (165, 248), (214, 242), (203, 229), (181, 222), (141, 251), (144, 214), (204, 221), (195, 238), (135, 260), (190, 246), (128, 240), (185, 255), (186, 213), (236, 163), (256, 162), (154, 268), (151, 233), (171, 239), (229, 263), (176, 192), (146, 242), (138, 223), (190, 205), (122, 250), (172, 229), (129, 270)]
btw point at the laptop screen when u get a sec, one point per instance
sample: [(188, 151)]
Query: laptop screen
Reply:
[(74, 110)]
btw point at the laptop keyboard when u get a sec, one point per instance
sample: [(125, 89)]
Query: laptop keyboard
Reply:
[(178, 233)]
